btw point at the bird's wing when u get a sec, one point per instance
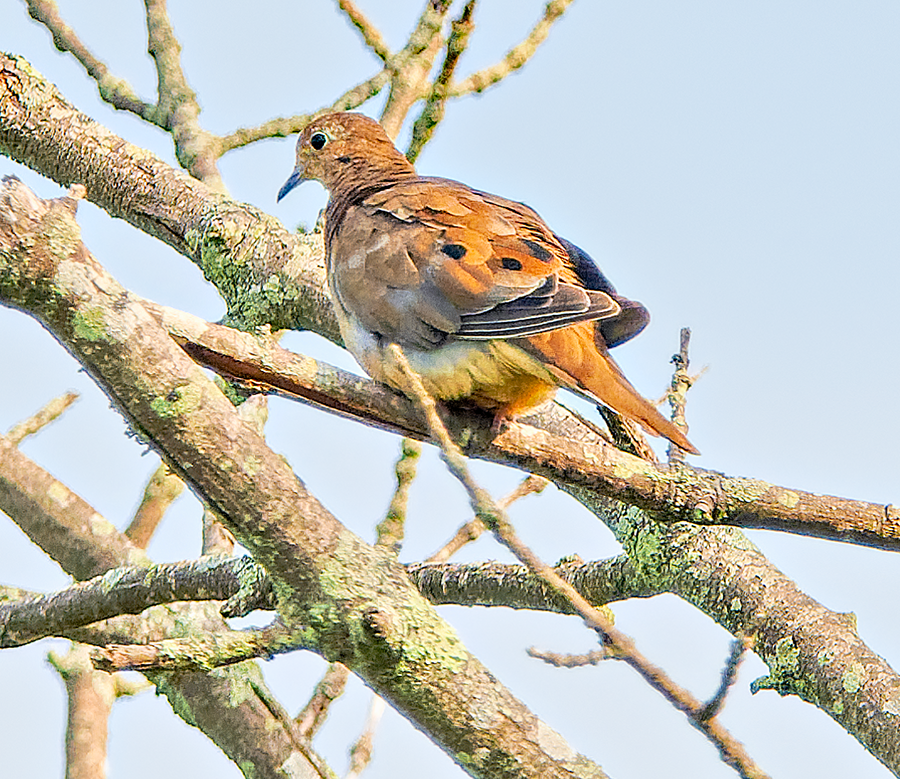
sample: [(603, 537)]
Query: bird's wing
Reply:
[(423, 259), (632, 318)]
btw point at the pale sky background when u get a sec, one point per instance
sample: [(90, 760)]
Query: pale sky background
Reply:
[(734, 166)]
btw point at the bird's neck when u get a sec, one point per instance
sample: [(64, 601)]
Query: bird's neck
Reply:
[(367, 173), (362, 177)]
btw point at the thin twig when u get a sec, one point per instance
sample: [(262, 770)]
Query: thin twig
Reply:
[(369, 31), (162, 489), (177, 106), (300, 742), (361, 751), (38, 421), (328, 690), (473, 529), (410, 67), (115, 91), (390, 529), (516, 57), (731, 750), (569, 661), (681, 383), (288, 125), (433, 110), (164, 48), (739, 648)]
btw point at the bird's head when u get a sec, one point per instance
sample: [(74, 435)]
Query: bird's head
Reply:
[(346, 150)]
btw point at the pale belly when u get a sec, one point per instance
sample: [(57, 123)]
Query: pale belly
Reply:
[(495, 375)]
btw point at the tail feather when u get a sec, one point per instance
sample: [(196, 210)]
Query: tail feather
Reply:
[(584, 364)]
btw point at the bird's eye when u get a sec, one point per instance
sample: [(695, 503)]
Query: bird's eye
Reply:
[(318, 140)]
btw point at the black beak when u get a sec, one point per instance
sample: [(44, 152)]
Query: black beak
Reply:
[(293, 180)]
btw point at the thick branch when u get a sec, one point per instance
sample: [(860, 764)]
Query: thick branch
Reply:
[(26, 617), (265, 274), (514, 586), (120, 591), (28, 132), (228, 706), (351, 601), (674, 494)]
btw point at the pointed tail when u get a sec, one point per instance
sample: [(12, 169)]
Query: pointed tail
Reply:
[(583, 362)]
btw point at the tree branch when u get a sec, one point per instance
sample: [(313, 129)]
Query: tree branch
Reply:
[(199, 653), (674, 494), (516, 57), (265, 274), (619, 644), (227, 706), (433, 110), (41, 419), (367, 30), (410, 66), (115, 91), (350, 601)]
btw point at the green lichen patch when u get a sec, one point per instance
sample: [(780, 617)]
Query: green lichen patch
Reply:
[(89, 324), (178, 401)]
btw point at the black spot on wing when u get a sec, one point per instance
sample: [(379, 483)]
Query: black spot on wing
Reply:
[(454, 250), (536, 250), (511, 263)]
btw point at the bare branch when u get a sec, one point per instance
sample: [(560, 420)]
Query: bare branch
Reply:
[(390, 529), (121, 591), (368, 30), (595, 657), (411, 65), (516, 587), (284, 126), (473, 529), (516, 57), (682, 494), (198, 653), (361, 751), (115, 91), (179, 111), (731, 750), (329, 689), (349, 599), (681, 383), (41, 419), (433, 110), (91, 695), (161, 491), (739, 648)]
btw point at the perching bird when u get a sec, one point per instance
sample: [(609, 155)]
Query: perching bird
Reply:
[(487, 303)]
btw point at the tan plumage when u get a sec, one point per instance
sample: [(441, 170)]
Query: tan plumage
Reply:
[(486, 301)]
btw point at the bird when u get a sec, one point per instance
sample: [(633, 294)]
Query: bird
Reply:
[(488, 304)]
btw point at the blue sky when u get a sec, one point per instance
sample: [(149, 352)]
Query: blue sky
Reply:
[(734, 166)]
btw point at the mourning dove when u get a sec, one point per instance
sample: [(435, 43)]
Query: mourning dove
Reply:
[(487, 303)]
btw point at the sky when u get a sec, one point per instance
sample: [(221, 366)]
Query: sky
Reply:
[(734, 166)]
